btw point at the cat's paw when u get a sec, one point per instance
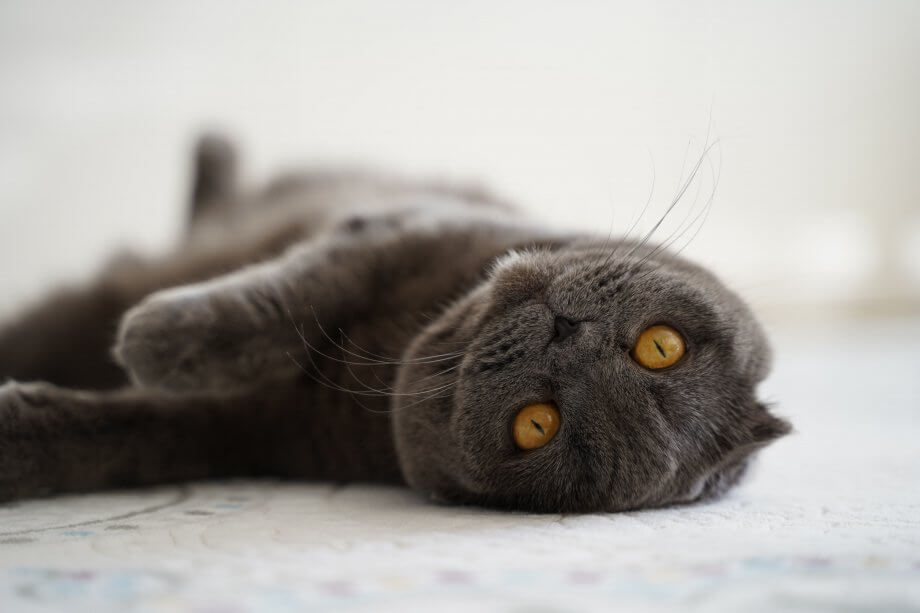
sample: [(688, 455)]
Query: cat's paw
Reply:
[(10, 404), (199, 337), (21, 405), (16, 398), (160, 342), (11, 407)]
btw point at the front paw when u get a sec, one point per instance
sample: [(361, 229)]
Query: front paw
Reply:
[(161, 341)]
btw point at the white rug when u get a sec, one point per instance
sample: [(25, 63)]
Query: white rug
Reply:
[(830, 520)]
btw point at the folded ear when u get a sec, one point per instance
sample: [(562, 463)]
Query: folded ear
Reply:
[(755, 428), (764, 427), (755, 431)]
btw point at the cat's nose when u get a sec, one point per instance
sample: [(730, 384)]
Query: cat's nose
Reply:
[(565, 327)]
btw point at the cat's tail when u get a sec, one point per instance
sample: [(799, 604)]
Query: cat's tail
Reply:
[(214, 175)]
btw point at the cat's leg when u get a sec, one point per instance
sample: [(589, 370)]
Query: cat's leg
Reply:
[(56, 440), (214, 179), (249, 325), (60, 440), (66, 337)]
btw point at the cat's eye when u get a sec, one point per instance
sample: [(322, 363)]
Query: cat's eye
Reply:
[(535, 425), (659, 346)]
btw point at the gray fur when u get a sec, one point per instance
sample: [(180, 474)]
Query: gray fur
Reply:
[(355, 326)]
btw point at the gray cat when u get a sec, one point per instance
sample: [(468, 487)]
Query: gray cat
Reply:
[(350, 326)]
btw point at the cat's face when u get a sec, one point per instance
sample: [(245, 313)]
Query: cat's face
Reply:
[(629, 435)]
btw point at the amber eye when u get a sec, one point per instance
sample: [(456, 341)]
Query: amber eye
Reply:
[(535, 425), (659, 347)]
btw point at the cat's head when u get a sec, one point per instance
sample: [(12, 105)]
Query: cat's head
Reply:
[(561, 327)]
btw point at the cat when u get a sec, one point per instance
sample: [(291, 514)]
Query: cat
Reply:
[(350, 326)]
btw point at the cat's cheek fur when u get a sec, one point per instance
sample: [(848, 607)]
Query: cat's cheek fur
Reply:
[(426, 447)]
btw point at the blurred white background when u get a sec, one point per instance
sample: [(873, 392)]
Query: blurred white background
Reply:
[(566, 107)]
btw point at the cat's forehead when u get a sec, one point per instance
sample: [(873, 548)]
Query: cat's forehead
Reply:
[(632, 286), (628, 286), (599, 271)]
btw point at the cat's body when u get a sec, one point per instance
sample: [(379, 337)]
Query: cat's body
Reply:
[(351, 326)]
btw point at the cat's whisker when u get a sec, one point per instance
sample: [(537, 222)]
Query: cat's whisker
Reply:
[(300, 333), (424, 360), (387, 386), (343, 336), (675, 201), (716, 180), (329, 383), (390, 390), (678, 234), (385, 392), (683, 163), (369, 391), (433, 375), (694, 173), (392, 359), (648, 200), (400, 394), (313, 349), (682, 186), (703, 155), (425, 399)]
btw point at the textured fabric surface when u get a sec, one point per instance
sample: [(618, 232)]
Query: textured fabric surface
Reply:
[(829, 520)]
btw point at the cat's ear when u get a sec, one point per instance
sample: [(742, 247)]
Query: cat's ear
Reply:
[(750, 436), (750, 431), (517, 276), (763, 427)]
